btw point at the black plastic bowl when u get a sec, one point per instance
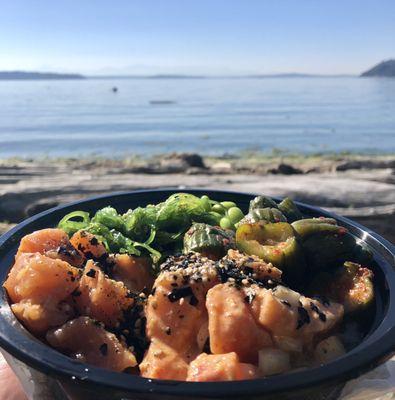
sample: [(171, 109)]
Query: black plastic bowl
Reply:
[(47, 374)]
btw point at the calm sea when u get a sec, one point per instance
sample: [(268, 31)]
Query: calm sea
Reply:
[(210, 116)]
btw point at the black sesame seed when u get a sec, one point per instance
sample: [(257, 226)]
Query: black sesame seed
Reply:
[(103, 349), (91, 273), (178, 293), (248, 270), (304, 317), (314, 307), (94, 241), (193, 301), (322, 317)]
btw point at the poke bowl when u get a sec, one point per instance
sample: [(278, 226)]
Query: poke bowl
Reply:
[(277, 304)]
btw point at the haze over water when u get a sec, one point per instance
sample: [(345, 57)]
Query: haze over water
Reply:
[(209, 116)]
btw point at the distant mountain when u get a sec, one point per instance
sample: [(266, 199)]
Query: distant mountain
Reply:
[(296, 75), (165, 76), (385, 68), (22, 75), (176, 76)]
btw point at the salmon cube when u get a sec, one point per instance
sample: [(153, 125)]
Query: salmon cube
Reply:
[(38, 318), (100, 297), (163, 362), (220, 367), (40, 287), (42, 241), (88, 245), (286, 313), (252, 263), (172, 320), (53, 243), (134, 272), (275, 315), (87, 341), (41, 279), (232, 328)]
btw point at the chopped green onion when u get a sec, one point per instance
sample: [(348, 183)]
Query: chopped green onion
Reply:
[(71, 226)]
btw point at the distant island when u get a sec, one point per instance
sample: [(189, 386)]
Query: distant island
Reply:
[(384, 69), (23, 75), (180, 76), (295, 75)]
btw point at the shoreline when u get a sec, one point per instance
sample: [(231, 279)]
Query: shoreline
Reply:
[(354, 185)]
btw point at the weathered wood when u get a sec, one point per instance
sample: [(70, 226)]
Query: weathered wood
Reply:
[(367, 195)]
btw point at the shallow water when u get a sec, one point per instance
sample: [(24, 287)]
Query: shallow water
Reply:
[(210, 116)]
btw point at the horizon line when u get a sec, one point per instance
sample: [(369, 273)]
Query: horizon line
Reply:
[(7, 74)]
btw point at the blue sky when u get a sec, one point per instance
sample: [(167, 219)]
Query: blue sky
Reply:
[(196, 36)]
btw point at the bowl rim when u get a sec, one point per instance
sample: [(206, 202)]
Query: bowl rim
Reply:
[(377, 347)]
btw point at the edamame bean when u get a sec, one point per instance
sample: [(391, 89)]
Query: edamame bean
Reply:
[(225, 223), (206, 203), (228, 204), (219, 208), (235, 214), (216, 215)]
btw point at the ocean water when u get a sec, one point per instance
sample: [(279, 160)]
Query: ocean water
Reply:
[(209, 116)]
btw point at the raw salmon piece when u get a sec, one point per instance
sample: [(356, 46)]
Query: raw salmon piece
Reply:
[(100, 297), (231, 326), (254, 265), (87, 341), (176, 309), (323, 317), (172, 320), (88, 245), (220, 367), (39, 287), (68, 253), (53, 243), (38, 318), (286, 313), (41, 279), (42, 241), (163, 362), (134, 272), (278, 316)]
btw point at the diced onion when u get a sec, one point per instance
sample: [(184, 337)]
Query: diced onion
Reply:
[(288, 344), (288, 295), (273, 361), (329, 349)]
